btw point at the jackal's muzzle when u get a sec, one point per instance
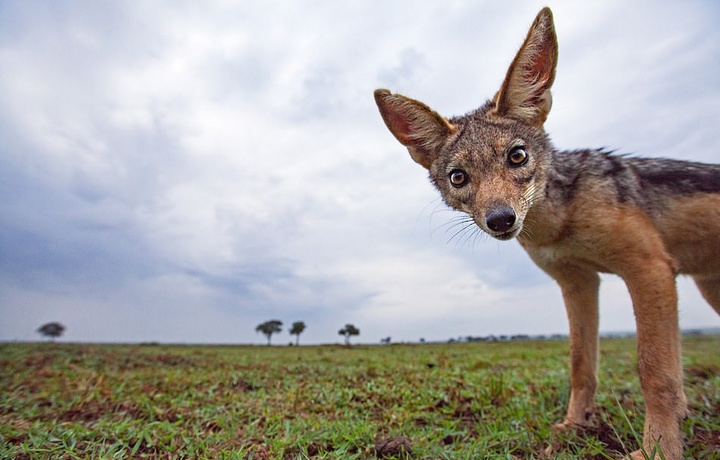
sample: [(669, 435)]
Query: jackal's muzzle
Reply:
[(501, 222)]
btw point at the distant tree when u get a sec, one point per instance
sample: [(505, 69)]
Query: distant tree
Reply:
[(296, 329), (52, 330), (347, 331), (269, 328)]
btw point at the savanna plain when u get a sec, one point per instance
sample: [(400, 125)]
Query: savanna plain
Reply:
[(430, 401)]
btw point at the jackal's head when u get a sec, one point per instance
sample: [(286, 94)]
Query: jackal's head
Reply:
[(491, 162)]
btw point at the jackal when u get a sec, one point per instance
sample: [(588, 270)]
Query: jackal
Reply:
[(577, 213)]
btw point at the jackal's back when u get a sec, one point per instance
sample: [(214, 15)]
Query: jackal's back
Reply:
[(649, 183)]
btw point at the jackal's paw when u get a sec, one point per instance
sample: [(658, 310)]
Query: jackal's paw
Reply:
[(639, 455), (570, 425), (564, 427), (654, 455)]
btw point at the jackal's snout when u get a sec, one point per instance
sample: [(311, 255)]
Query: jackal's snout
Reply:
[(500, 218), (500, 221)]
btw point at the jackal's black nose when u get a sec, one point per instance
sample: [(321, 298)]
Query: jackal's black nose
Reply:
[(500, 219)]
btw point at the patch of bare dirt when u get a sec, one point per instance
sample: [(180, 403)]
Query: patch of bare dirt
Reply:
[(599, 429), (38, 360), (313, 449), (243, 386), (451, 439), (393, 447), (606, 435), (707, 437), (700, 373)]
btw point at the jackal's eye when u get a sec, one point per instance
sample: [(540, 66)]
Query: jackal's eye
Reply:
[(458, 178), (518, 156)]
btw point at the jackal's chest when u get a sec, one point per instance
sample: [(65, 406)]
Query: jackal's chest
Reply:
[(567, 254)]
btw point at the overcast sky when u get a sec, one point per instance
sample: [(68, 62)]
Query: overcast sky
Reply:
[(182, 171)]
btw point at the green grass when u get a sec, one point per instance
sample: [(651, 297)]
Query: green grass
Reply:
[(450, 401)]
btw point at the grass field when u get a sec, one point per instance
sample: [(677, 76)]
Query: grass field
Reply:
[(433, 401)]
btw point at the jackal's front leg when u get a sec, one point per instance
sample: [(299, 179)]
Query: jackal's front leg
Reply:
[(654, 295), (580, 291)]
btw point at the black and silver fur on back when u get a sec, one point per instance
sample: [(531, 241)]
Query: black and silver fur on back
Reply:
[(645, 182)]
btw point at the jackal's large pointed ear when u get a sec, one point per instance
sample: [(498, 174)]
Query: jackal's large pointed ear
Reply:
[(419, 128), (525, 93)]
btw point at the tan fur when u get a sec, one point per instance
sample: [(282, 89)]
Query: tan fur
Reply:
[(696, 251), (577, 214), (531, 102)]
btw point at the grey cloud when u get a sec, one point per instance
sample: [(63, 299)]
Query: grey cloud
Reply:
[(178, 172)]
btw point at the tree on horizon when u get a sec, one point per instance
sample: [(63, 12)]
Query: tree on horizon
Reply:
[(296, 329), (52, 330), (347, 331), (269, 328)]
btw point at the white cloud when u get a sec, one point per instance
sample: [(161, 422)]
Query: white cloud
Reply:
[(223, 163)]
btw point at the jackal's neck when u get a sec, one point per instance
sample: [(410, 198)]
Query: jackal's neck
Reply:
[(547, 219)]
